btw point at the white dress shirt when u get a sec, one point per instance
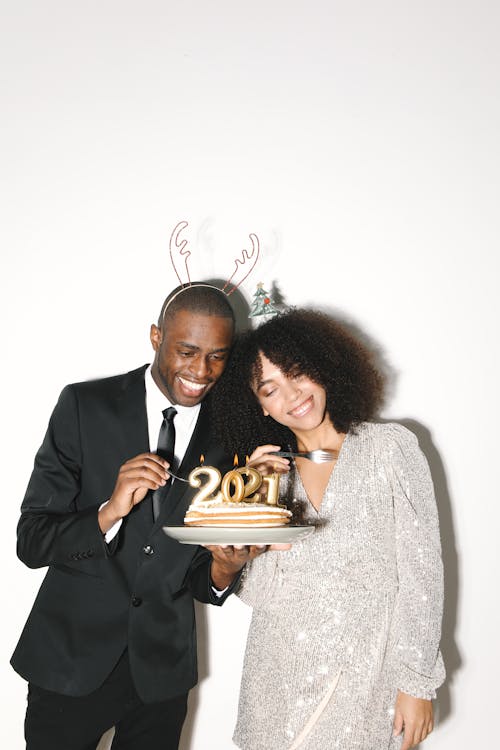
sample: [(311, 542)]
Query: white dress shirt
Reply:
[(184, 420)]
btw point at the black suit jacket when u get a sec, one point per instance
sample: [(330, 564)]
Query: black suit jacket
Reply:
[(98, 599)]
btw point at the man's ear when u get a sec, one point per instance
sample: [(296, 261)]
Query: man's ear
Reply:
[(155, 337)]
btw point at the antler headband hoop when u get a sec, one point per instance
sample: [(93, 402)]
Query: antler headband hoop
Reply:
[(179, 257)]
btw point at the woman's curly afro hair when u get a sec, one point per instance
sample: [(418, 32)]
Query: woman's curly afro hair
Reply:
[(298, 341)]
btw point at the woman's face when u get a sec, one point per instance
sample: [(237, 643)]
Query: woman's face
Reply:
[(296, 402)]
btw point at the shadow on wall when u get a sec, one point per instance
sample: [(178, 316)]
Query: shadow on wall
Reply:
[(377, 351), (203, 672)]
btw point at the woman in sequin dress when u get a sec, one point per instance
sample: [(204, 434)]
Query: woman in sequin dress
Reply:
[(343, 645)]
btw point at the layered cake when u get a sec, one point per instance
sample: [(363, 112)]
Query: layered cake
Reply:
[(236, 514)]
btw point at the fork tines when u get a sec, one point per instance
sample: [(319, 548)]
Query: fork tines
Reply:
[(318, 456)]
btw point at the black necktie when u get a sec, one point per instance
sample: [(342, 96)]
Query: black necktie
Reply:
[(165, 449)]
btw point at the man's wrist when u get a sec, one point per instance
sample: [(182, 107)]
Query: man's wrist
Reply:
[(222, 578), (107, 517)]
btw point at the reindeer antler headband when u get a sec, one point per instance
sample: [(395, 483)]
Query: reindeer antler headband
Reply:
[(179, 257)]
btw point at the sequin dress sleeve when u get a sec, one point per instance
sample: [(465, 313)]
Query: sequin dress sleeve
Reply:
[(419, 603)]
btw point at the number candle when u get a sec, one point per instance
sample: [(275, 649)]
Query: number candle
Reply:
[(232, 478), (273, 487), (206, 492), (253, 484)]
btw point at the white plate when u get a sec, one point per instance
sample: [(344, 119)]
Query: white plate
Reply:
[(236, 535)]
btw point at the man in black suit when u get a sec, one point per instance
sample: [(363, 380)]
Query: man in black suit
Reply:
[(111, 639)]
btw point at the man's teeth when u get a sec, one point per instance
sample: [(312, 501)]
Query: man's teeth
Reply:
[(193, 386)]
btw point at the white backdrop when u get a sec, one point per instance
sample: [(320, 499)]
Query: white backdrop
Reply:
[(359, 139)]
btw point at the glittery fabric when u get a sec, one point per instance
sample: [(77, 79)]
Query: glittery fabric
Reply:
[(362, 596)]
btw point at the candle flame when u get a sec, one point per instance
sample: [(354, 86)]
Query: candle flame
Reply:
[(236, 460), (247, 459), (202, 459)]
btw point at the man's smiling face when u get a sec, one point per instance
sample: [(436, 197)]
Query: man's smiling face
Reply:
[(191, 351)]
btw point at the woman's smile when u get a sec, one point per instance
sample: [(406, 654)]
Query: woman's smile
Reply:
[(303, 408)]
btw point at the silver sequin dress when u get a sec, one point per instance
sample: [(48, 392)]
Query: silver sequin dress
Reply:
[(353, 612)]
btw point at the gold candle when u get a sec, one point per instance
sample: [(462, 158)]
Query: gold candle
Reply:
[(252, 485), (234, 480), (207, 488), (273, 488)]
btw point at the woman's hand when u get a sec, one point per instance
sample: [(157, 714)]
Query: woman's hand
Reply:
[(414, 717), (265, 463)]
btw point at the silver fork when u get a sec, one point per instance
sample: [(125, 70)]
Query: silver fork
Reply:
[(317, 456), (174, 476)]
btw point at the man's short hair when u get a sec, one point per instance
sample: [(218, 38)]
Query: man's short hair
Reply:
[(198, 297)]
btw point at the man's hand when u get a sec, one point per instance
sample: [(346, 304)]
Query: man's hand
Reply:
[(228, 561), (414, 716), (136, 477)]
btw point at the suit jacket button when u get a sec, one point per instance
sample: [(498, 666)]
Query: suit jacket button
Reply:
[(148, 550), (136, 601)]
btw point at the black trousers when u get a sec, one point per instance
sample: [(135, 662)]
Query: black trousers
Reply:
[(61, 722)]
